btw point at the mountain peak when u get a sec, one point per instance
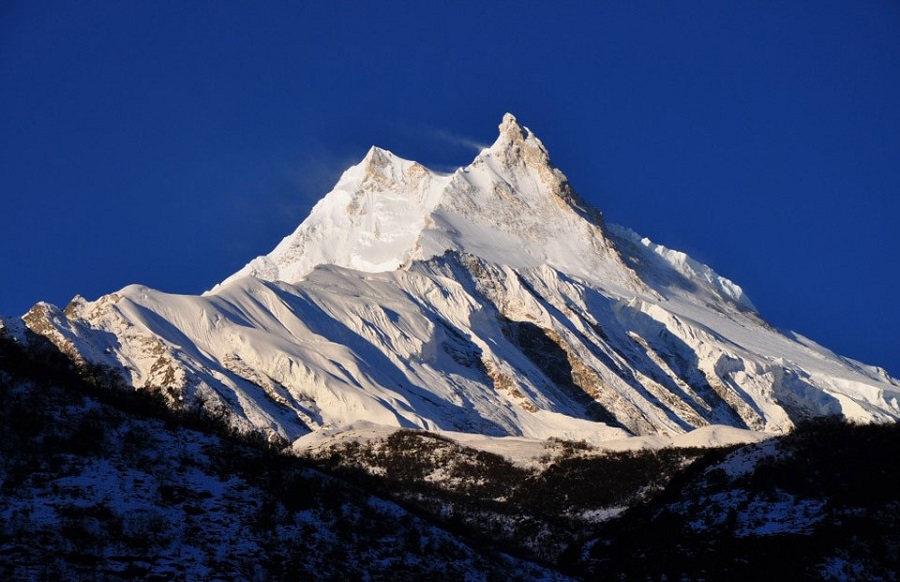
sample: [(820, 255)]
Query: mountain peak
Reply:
[(488, 300), (377, 156), (517, 149), (382, 170), (510, 205), (518, 146), (512, 129)]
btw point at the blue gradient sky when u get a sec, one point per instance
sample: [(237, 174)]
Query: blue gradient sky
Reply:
[(167, 143)]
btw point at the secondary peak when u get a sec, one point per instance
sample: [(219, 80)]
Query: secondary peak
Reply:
[(377, 156)]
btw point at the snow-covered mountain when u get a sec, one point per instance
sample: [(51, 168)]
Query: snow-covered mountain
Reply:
[(492, 300)]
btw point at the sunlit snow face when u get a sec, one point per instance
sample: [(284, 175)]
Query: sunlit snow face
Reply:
[(489, 300)]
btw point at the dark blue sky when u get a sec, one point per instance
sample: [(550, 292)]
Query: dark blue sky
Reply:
[(167, 143)]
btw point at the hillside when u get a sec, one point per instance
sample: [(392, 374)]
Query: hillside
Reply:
[(101, 483)]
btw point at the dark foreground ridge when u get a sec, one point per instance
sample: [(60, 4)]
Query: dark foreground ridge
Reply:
[(818, 504), (101, 482)]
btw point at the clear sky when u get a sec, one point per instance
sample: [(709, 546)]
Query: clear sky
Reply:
[(168, 143)]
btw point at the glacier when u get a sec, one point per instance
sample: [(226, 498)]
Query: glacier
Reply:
[(490, 301)]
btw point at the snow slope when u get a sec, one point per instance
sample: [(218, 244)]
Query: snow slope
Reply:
[(492, 300)]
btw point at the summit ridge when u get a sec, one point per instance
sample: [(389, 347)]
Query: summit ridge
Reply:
[(510, 204)]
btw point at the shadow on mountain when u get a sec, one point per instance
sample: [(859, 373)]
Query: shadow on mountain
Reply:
[(553, 361), (612, 340), (161, 328), (678, 356), (800, 399), (384, 372), (651, 268)]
